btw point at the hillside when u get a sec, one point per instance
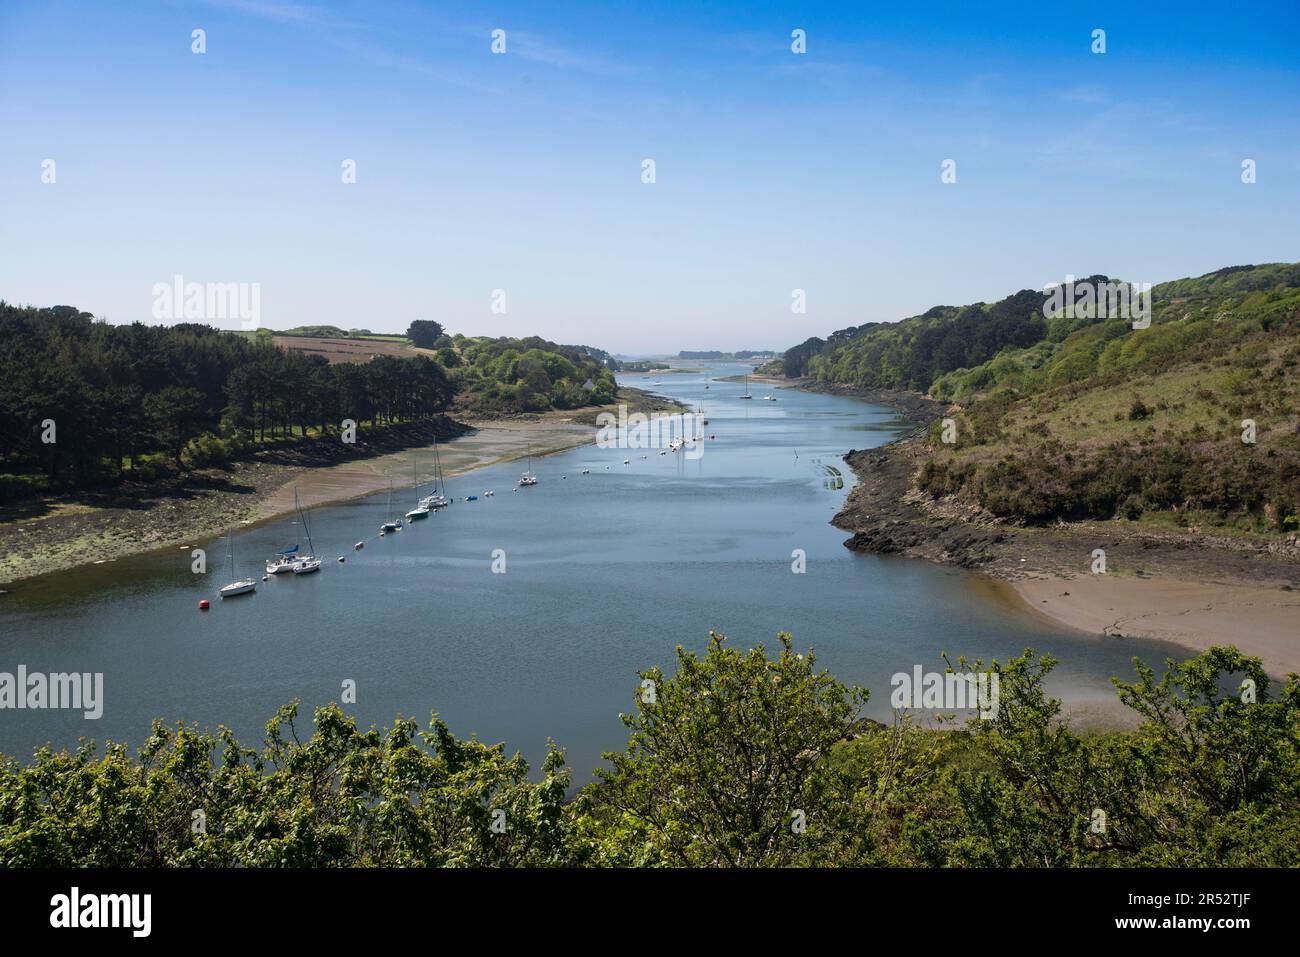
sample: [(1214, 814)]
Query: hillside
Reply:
[(1087, 418)]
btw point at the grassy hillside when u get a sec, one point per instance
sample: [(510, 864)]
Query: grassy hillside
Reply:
[(1087, 417)]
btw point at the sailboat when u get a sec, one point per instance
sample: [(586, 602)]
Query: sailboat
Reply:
[(528, 478), (421, 510), (393, 524), (241, 586), (286, 558), (308, 563), (283, 562), (746, 395), (436, 500)]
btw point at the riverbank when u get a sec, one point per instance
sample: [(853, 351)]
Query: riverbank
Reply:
[(1186, 586), (92, 529), (1264, 622)]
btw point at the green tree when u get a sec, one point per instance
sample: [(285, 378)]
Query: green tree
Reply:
[(424, 333), (173, 413), (724, 766)]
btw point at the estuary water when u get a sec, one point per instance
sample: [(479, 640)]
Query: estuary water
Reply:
[(605, 574)]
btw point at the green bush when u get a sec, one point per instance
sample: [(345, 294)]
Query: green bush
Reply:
[(152, 467), (13, 487), (737, 759), (205, 450)]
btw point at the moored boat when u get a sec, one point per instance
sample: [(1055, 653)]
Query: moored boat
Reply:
[(307, 563), (528, 478), (393, 524), (241, 586), (283, 563)]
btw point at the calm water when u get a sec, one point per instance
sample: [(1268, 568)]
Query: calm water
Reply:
[(606, 574)]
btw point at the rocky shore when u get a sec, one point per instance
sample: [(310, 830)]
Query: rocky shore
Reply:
[(1190, 586)]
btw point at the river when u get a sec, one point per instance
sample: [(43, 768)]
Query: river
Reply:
[(605, 574)]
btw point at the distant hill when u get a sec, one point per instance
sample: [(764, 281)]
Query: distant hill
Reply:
[(738, 354)]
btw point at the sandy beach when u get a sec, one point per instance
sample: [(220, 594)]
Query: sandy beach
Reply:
[(493, 441), (1264, 622)]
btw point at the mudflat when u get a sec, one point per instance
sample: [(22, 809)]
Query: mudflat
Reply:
[(1263, 622)]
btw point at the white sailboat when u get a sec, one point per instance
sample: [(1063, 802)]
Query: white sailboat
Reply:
[(240, 586), (393, 524), (436, 499), (421, 510), (306, 564), (283, 562), (285, 559), (746, 395), (528, 478)]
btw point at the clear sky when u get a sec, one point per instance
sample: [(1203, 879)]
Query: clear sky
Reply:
[(523, 171)]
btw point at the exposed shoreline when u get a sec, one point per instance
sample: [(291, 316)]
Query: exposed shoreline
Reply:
[(1191, 588), (1263, 622), (253, 492)]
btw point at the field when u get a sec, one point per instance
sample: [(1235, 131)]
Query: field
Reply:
[(350, 350)]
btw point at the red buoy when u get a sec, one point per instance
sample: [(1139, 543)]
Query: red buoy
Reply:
[(203, 604)]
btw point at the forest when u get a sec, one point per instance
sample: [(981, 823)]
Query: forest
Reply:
[(86, 404), (526, 375)]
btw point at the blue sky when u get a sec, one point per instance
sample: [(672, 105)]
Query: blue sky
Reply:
[(522, 171)]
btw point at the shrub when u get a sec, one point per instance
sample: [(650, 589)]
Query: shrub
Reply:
[(205, 450), (1138, 410)]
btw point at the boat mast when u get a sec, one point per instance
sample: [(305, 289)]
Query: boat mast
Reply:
[(302, 517)]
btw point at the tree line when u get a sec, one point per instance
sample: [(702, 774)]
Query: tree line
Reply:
[(912, 353), (527, 375), (83, 402)]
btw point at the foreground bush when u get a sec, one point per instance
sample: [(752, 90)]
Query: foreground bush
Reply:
[(738, 759)]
